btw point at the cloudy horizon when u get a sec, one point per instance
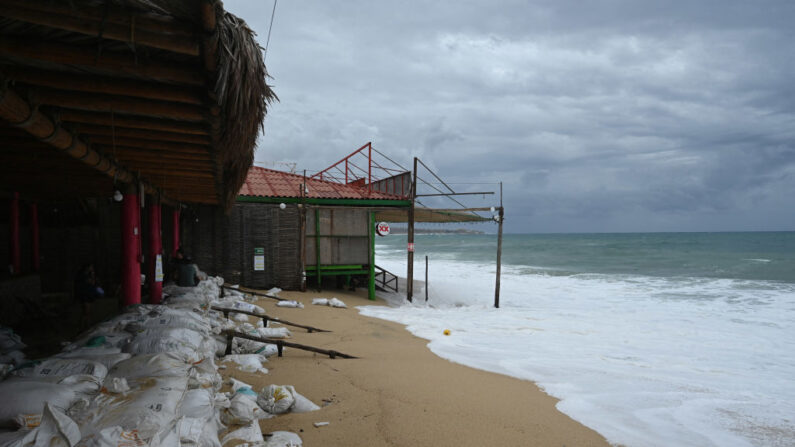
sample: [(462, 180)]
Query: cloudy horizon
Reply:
[(609, 117)]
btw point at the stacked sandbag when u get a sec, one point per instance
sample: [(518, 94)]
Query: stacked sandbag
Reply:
[(11, 347)]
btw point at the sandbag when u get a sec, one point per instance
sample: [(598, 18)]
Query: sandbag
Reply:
[(54, 429), (27, 398), (58, 369), (290, 303), (247, 362), (283, 439), (334, 302), (274, 332), (247, 433), (166, 364), (150, 407), (278, 399), (108, 359), (192, 344)]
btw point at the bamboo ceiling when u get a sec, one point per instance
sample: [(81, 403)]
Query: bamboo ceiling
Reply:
[(171, 93)]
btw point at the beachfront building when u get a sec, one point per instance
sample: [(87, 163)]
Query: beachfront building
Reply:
[(114, 116), (288, 230)]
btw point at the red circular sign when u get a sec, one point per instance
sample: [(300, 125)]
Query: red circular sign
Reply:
[(382, 229)]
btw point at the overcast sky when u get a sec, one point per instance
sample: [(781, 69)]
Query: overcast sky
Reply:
[(597, 116)]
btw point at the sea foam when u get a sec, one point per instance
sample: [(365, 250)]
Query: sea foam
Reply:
[(645, 361)]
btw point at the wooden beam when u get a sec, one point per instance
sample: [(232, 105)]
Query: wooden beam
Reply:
[(93, 130), (103, 84), (133, 122), (149, 144), (15, 110), (154, 154), (60, 53), (109, 13), (119, 104), (107, 30), (280, 344)]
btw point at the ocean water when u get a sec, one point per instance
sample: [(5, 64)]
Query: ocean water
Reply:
[(682, 339)]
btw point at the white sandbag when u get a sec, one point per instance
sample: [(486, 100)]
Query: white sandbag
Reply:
[(274, 291), (83, 376), (101, 355), (116, 385), (243, 409), (290, 303), (241, 305), (247, 362), (198, 403), (166, 364), (334, 302), (150, 407), (274, 332), (239, 317), (247, 433), (174, 320), (109, 341), (5, 368), (27, 398), (117, 436), (320, 301), (13, 358), (205, 375), (278, 399), (54, 429), (9, 341), (283, 439), (238, 386), (192, 344)]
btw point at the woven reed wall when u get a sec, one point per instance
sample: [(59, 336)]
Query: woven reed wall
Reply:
[(225, 244)]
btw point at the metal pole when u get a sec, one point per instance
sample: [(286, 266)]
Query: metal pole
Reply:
[(371, 279), (369, 166), (426, 278), (410, 273)]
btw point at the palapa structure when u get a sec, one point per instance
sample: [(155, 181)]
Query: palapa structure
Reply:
[(169, 93), (159, 100)]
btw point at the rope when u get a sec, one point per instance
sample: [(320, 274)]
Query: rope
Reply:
[(268, 40)]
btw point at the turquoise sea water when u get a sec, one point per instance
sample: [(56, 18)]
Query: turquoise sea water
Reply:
[(656, 339)]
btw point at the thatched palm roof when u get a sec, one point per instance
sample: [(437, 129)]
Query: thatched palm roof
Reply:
[(169, 93)]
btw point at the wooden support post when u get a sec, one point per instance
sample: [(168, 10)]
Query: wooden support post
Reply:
[(317, 250), (155, 253), (15, 257), (426, 278), (410, 249), (229, 340), (130, 234), (175, 231), (34, 237), (371, 278), (499, 252)]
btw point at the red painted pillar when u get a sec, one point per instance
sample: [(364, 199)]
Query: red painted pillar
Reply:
[(34, 236), (130, 245), (15, 258), (155, 254), (175, 229)]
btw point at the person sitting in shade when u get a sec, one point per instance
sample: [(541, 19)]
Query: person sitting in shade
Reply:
[(186, 273), (87, 290)]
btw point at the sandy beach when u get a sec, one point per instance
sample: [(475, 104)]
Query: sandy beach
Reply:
[(399, 393)]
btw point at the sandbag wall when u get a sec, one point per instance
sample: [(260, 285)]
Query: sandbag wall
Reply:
[(147, 377)]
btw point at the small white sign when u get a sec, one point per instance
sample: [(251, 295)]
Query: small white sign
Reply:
[(382, 229), (159, 268), (259, 262)]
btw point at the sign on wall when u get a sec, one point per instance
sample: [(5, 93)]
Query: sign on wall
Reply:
[(259, 259), (382, 229), (159, 268)]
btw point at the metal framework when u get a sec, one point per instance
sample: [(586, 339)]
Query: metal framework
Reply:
[(359, 168)]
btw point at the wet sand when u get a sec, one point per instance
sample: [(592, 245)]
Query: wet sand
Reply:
[(398, 392)]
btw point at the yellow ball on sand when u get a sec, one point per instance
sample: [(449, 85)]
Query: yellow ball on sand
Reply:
[(447, 332)]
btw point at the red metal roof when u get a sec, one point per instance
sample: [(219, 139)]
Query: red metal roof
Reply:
[(263, 182)]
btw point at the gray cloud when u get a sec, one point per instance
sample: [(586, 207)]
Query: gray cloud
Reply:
[(608, 116)]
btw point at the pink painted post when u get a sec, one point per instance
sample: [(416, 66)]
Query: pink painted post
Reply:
[(155, 254), (175, 231), (34, 236), (130, 245), (15, 257)]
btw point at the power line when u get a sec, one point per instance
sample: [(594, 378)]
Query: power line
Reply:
[(270, 27)]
